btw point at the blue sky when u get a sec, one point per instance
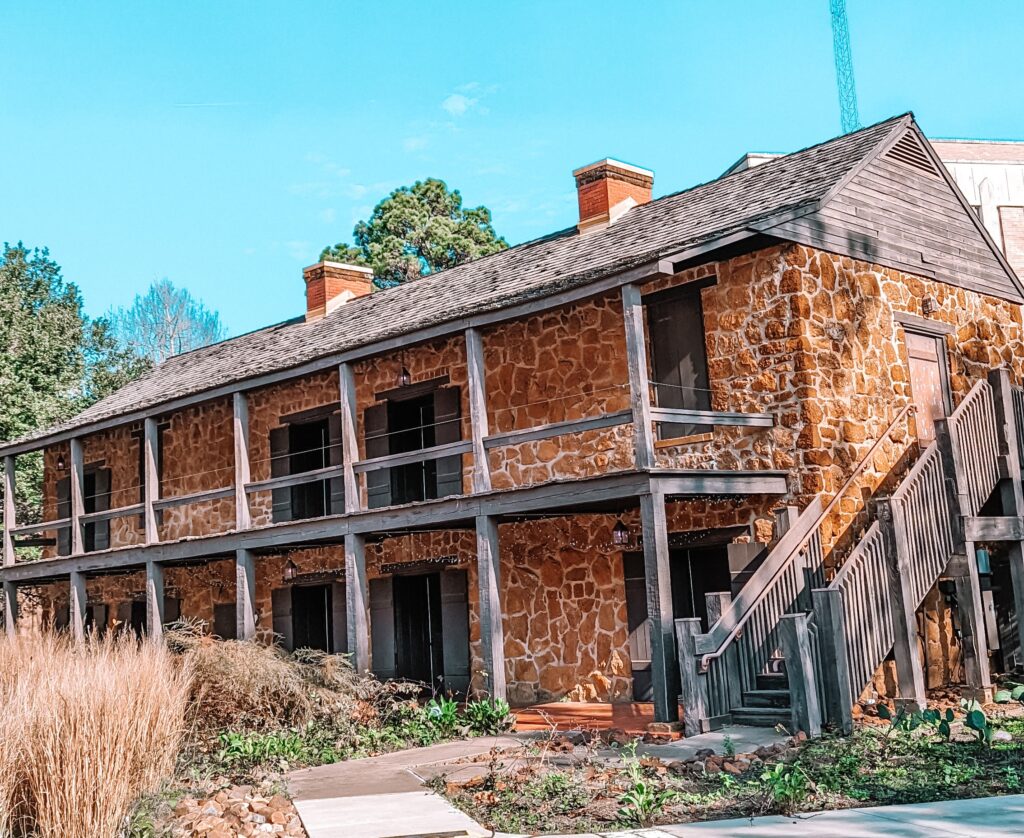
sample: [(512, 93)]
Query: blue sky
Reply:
[(223, 144)]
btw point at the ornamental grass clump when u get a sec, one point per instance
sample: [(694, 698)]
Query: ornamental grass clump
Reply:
[(86, 730)]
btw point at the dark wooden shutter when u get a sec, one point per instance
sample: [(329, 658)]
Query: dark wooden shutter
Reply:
[(62, 617), (281, 605), (455, 630), (334, 457), (448, 428), (638, 625), (64, 511), (172, 609), (382, 628), (225, 621), (101, 503), (679, 358), (96, 618), (375, 434), (124, 616), (339, 619), (280, 466)]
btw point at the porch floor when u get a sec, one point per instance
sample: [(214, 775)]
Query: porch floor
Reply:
[(631, 717)]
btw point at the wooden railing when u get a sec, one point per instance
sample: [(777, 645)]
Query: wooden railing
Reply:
[(1017, 394), (975, 443)]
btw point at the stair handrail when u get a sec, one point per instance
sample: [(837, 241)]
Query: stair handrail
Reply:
[(712, 645)]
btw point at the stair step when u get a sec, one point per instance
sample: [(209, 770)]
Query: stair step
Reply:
[(772, 681), (760, 716), (766, 698)]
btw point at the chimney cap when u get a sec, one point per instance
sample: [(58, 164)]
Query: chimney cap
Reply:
[(324, 263), (611, 162)]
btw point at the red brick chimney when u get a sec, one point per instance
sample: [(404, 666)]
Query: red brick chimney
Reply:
[(331, 284), (607, 190)]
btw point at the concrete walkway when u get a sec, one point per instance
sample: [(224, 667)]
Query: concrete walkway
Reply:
[(986, 817)]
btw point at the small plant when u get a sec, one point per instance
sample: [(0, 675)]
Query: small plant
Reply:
[(443, 714), (975, 720), (642, 801), (907, 722), (489, 717), (728, 747), (785, 785)]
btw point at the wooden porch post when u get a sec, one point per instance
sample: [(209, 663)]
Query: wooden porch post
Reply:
[(245, 594), (639, 383), (657, 574), (795, 640), (154, 600), (76, 605), (693, 682), (349, 441), (909, 672), (835, 667), (10, 609), (77, 496), (9, 514), (357, 601), (152, 488), (243, 468), (963, 567), (478, 409), (1011, 492), (492, 632)]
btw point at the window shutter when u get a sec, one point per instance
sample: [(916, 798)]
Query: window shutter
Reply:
[(225, 622), (448, 428), (679, 358), (96, 618), (382, 628), (280, 466), (339, 619), (281, 605), (63, 511), (334, 457), (124, 616), (375, 434), (101, 503), (172, 610), (62, 617), (455, 630)]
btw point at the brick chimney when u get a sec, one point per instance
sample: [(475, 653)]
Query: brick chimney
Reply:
[(607, 190), (331, 284)]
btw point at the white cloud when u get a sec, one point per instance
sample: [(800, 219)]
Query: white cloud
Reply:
[(298, 250), (328, 215), (414, 143), (458, 104)]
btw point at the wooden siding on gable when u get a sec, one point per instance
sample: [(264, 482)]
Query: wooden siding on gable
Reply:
[(892, 214)]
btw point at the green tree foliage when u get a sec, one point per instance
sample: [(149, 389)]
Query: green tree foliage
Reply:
[(418, 230), (54, 361), (165, 321)]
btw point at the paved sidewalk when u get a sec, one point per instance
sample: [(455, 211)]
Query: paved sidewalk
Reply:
[(985, 817)]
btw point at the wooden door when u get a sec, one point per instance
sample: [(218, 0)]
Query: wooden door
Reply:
[(638, 625), (929, 381)]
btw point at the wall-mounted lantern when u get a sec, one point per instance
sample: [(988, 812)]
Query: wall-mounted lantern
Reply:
[(291, 570), (620, 534)]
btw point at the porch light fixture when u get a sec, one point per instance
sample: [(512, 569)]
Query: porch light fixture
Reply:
[(61, 462), (404, 377), (620, 533), (290, 571)]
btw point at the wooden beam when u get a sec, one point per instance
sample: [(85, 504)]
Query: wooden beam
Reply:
[(435, 452), (243, 467), (245, 595), (10, 516), (287, 480), (203, 496), (658, 582), (994, 528), (639, 382), (357, 603), (10, 609), (712, 417), (349, 438), (795, 640), (110, 514), (492, 632), (693, 680), (77, 496), (478, 409), (77, 602), (830, 619), (42, 526), (150, 440), (553, 429), (680, 483), (154, 600)]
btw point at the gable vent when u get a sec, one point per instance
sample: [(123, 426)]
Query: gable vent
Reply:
[(909, 151)]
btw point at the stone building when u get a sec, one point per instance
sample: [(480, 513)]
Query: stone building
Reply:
[(593, 465)]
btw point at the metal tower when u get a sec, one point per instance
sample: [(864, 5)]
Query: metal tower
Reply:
[(844, 67)]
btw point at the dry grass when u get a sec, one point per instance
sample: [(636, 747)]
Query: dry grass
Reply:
[(85, 731)]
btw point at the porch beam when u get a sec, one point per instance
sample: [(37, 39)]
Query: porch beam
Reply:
[(680, 483), (245, 595), (195, 497), (995, 528), (154, 600), (243, 466), (357, 602), (553, 429), (422, 455), (657, 575), (492, 632), (150, 437), (77, 601), (349, 438), (1011, 493), (9, 514), (10, 609), (77, 496), (478, 409), (712, 417), (639, 382)]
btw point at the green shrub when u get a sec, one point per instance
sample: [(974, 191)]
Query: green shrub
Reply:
[(489, 717)]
